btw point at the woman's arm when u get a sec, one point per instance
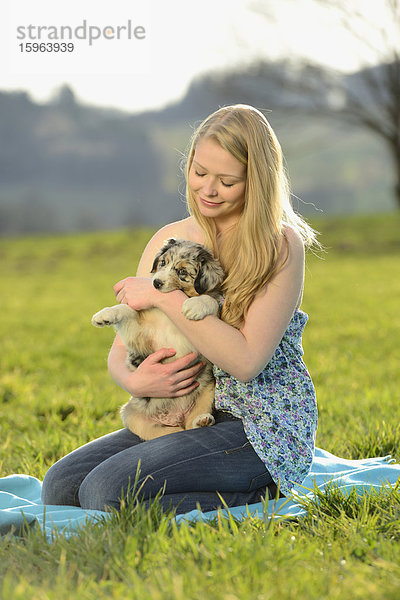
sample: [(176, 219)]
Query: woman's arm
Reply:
[(152, 378), (242, 353)]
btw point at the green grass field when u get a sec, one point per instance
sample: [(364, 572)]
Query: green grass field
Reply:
[(55, 394)]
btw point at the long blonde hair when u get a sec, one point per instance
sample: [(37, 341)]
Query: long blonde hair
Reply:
[(250, 250)]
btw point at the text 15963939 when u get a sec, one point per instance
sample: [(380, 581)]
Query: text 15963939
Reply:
[(46, 47)]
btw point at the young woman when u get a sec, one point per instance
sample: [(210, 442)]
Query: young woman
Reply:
[(266, 416)]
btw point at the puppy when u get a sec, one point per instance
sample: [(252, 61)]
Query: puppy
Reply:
[(179, 265)]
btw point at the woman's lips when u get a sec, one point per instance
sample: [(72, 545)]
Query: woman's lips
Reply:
[(208, 203)]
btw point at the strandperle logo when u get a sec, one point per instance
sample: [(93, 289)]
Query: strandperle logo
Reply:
[(84, 32)]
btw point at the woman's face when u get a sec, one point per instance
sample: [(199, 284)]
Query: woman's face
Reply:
[(218, 182)]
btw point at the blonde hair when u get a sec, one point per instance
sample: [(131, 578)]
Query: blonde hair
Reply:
[(249, 251)]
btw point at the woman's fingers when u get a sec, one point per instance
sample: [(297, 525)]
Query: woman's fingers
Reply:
[(161, 354), (186, 390), (172, 379), (189, 373), (180, 364), (118, 286), (185, 361)]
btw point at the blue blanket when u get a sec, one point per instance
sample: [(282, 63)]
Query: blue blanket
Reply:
[(20, 503)]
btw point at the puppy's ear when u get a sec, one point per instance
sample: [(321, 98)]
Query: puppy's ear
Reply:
[(167, 245), (210, 275)]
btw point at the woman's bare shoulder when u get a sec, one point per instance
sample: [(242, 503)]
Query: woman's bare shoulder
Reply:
[(186, 229), (293, 244), (293, 236)]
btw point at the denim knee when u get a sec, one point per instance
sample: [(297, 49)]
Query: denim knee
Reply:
[(58, 488), (94, 493)]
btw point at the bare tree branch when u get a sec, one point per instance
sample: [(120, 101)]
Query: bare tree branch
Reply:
[(371, 97)]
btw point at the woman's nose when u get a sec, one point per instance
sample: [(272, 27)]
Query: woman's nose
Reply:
[(209, 188)]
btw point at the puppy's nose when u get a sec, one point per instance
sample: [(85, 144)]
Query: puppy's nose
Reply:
[(157, 283)]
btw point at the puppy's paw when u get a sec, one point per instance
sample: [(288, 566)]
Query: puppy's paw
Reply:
[(198, 307), (111, 315), (204, 420)]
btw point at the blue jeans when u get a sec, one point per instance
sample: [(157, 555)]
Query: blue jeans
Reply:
[(193, 465)]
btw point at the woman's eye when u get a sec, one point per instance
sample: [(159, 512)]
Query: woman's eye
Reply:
[(226, 184), (199, 174)]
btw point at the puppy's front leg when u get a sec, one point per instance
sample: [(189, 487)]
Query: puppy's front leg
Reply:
[(198, 307), (124, 320), (113, 315)]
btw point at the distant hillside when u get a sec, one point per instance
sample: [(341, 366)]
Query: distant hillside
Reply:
[(65, 166)]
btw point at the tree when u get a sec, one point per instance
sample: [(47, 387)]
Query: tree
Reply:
[(373, 101), (369, 98)]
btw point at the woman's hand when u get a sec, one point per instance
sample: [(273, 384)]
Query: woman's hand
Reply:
[(152, 378), (138, 292)]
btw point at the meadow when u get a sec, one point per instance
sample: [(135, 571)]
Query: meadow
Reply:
[(55, 394)]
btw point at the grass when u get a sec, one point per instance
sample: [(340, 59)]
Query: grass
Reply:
[(55, 394)]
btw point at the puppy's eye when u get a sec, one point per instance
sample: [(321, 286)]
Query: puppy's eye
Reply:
[(162, 263), (182, 273)]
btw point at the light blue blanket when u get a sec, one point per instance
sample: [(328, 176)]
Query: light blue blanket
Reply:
[(20, 503)]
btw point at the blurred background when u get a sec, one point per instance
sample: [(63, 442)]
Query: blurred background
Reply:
[(94, 139)]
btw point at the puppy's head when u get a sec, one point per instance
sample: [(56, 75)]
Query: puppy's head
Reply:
[(186, 266)]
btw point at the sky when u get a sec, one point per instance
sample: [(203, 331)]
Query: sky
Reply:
[(138, 55)]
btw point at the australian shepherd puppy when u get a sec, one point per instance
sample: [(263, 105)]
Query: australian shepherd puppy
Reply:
[(179, 265)]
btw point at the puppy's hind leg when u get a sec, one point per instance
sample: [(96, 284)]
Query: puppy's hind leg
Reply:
[(200, 415), (143, 426)]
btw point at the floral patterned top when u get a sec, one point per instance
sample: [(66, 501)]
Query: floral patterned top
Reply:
[(278, 408)]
